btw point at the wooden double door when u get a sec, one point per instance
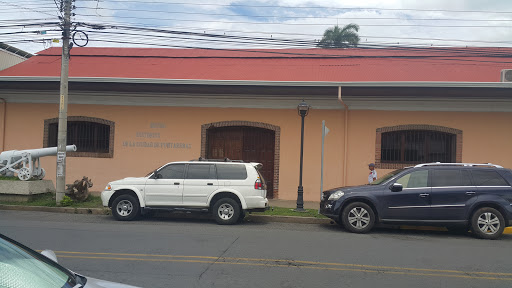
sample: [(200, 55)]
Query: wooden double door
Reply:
[(250, 144)]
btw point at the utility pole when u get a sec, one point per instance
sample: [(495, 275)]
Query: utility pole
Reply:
[(63, 106)]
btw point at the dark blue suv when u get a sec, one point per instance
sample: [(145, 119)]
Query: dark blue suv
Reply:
[(455, 195)]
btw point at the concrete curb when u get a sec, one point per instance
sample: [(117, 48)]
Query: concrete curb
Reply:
[(251, 217), (70, 210), (287, 219)]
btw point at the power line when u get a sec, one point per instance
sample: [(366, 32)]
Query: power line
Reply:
[(256, 42), (25, 8), (58, 8), (288, 54), (300, 24), (51, 24), (296, 17), (28, 32), (113, 23), (24, 20), (295, 42), (189, 33), (301, 7)]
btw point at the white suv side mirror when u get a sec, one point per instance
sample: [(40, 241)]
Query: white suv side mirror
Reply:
[(50, 254)]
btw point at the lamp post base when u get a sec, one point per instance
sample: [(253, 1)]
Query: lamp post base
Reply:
[(300, 200)]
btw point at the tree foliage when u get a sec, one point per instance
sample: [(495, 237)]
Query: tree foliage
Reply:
[(337, 37)]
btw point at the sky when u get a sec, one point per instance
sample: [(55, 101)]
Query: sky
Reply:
[(30, 25)]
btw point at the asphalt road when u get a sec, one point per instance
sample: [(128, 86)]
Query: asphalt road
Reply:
[(163, 252)]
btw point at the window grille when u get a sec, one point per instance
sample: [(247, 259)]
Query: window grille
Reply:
[(87, 136), (417, 146)]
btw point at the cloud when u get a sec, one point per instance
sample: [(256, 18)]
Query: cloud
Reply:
[(303, 20)]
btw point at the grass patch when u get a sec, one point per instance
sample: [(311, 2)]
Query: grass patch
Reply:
[(279, 211), (48, 200), (9, 178)]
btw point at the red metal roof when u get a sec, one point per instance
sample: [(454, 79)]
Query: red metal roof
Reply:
[(355, 64)]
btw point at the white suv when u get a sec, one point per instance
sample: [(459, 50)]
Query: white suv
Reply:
[(225, 188)]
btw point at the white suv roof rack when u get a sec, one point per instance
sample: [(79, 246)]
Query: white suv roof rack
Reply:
[(458, 164)]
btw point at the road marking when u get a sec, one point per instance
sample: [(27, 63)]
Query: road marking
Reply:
[(508, 230), (289, 264)]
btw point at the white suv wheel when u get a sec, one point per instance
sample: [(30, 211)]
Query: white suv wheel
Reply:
[(226, 211)]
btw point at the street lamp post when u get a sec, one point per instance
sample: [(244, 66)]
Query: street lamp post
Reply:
[(303, 110)]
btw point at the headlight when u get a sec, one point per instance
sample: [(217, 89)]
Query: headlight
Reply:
[(109, 187), (336, 195)]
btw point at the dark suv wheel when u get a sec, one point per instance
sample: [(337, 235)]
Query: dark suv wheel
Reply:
[(487, 223), (358, 217)]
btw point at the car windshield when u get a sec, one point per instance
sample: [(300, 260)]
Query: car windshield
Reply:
[(153, 171), (21, 266), (386, 177)]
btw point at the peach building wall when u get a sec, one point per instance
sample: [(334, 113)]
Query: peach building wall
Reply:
[(486, 138)]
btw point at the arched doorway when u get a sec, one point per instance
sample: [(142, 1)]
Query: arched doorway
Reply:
[(248, 143)]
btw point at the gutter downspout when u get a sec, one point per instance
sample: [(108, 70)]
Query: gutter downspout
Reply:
[(345, 138), (3, 123)]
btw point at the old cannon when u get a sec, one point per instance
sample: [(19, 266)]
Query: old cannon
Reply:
[(25, 163)]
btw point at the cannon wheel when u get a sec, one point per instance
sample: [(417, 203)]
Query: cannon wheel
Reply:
[(24, 174), (41, 176)]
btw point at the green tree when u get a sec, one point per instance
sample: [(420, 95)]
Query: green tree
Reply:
[(337, 37)]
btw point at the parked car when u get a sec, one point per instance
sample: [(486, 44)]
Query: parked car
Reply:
[(21, 266), (224, 188), (456, 195)]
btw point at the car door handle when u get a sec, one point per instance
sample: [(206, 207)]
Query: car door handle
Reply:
[(423, 195), (210, 184), (470, 193), (176, 183)]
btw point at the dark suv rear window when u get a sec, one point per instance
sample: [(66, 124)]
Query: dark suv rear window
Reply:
[(231, 172), (488, 178), (450, 177)]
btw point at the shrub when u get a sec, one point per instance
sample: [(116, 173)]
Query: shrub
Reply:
[(66, 201)]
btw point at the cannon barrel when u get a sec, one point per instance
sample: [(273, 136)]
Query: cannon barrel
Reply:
[(50, 151), (37, 153)]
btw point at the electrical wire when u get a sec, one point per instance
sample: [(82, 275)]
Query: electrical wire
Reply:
[(271, 33), (473, 51), (294, 17), (300, 7), (297, 24), (26, 8), (275, 54), (58, 8)]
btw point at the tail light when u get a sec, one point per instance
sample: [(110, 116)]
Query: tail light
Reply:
[(258, 185)]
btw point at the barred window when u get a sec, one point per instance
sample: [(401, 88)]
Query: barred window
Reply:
[(93, 137), (417, 146)]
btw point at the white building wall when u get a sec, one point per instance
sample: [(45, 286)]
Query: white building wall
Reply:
[(8, 59)]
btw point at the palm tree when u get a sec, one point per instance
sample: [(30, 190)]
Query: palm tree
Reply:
[(337, 37)]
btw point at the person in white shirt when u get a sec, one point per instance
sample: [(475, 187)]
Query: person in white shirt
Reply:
[(373, 174)]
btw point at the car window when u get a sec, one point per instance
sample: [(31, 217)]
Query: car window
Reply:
[(416, 179), (231, 171), (488, 178), (172, 171), (447, 177), (386, 177), (465, 178), (201, 171)]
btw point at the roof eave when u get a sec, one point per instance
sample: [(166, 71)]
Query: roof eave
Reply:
[(435, 84)]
